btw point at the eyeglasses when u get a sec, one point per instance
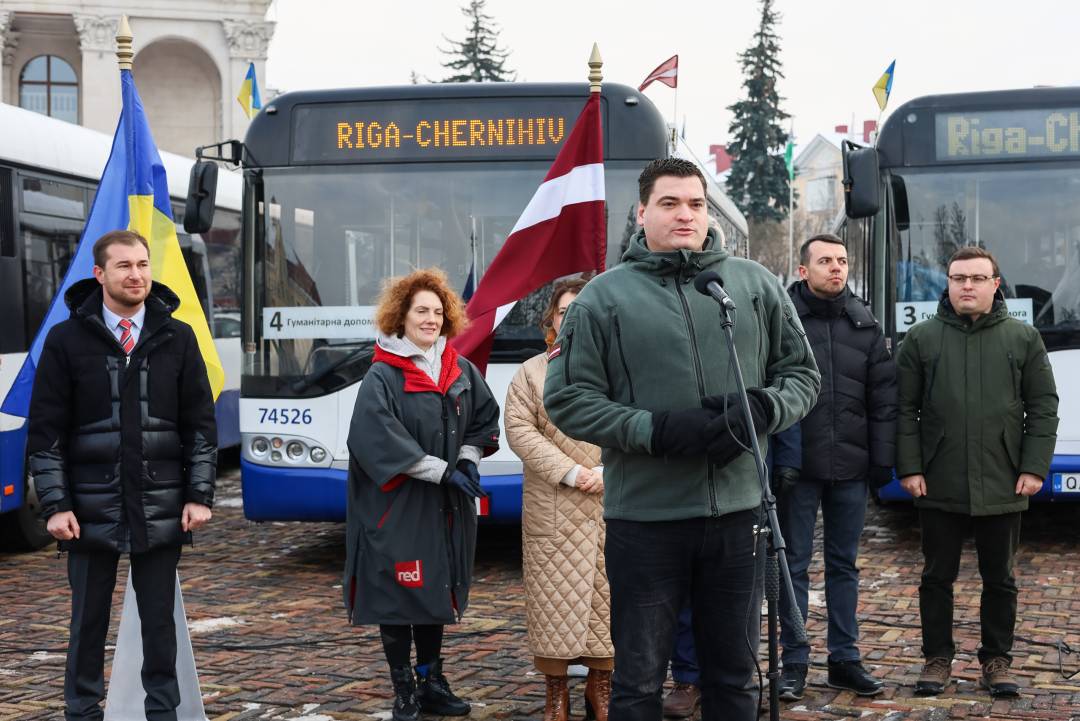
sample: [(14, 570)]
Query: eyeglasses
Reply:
[(975, 279)]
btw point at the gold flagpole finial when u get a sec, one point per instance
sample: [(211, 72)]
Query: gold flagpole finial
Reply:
[(124, 53), (595, 63)]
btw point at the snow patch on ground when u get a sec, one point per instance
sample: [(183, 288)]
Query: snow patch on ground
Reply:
[(207, 625)]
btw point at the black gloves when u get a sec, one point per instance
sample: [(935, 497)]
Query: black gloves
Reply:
[(880, 477), (723, 446), (465, 478), (681, 433), (783, 480), (469, 469)]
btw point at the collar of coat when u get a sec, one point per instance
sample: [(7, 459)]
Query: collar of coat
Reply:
[(999, 311), (846, 303), (416, 380)]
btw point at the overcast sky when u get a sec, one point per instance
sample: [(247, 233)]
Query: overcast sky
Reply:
[(833, 51)]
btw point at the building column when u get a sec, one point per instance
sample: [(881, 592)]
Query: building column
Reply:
[(9, 42), (248, 41), (97, 41)]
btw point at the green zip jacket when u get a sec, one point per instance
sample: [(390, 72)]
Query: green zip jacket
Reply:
[(640, 339), (977, 408)]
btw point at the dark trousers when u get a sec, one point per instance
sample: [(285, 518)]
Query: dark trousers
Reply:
[(398, 640), (92, 577), (843, 512), (653, 568), (996, 541), (684, 668)]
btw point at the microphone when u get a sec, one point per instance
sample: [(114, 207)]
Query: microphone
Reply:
[(710, 283)]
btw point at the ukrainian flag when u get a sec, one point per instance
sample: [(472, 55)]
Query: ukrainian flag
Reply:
[(248, 97), (883, 86), (133, 194)]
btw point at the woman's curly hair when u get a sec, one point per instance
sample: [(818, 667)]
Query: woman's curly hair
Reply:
[(397, 296), (573, 284)]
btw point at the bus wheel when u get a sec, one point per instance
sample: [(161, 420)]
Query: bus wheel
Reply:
[(22, 529)]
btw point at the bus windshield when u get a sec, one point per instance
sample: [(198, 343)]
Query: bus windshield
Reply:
[(331, 235), (1026, 216)]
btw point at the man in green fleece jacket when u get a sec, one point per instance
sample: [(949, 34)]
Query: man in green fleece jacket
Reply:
[(641, 368), (976, 427)]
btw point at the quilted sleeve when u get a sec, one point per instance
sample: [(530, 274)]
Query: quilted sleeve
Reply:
[(522, 421)]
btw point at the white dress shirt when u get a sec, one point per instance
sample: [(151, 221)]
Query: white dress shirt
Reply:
[(112, 322)]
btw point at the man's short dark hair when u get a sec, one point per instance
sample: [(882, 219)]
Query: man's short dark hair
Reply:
[(676, 167), (804, 249), (116, 237), (970, 252)]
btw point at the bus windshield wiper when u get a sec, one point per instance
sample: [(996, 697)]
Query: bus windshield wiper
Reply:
[(307, 381)]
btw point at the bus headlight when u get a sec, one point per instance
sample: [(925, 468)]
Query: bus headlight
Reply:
[(294, 450), (318, 455), (259, 446)]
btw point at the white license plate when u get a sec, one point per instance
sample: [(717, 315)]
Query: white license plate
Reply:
[(1067, 483)]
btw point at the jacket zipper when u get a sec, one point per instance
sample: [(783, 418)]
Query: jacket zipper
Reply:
[(622, 357), (700, 379), (832, 398), (449, 505)]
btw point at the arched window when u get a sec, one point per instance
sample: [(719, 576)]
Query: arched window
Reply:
[(48, 85)]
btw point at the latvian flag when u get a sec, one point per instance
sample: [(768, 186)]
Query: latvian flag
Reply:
[(667, 73), (562, 231)]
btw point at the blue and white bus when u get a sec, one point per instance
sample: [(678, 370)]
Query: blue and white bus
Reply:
[(996, 169), (49, 170), (345, 188)]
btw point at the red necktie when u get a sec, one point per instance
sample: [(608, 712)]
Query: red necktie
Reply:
[(127, 341)]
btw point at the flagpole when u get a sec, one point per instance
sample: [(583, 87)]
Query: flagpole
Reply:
[(791, 211), (675, 119)]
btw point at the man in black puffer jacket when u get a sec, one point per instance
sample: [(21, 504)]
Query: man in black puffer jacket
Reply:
[(848, 439), (123, 452)]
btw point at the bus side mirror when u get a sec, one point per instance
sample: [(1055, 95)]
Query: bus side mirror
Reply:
[(202, 194), (862, 188)]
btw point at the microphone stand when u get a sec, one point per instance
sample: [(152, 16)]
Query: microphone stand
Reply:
[(776, 565)]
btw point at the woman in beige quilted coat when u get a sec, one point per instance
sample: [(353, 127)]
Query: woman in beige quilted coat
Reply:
[(566, 588)]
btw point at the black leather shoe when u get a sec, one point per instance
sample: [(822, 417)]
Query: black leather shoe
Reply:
[(433, 693), (793, 681), (851, 675)]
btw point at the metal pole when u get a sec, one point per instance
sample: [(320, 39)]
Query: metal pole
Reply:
[(791, 231)]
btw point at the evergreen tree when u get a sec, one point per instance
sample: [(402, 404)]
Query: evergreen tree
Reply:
[(758, 181), (478, 58)]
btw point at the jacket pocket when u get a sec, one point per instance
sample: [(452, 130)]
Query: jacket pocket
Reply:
[(930, 443), (622, 358), (567, 343), (1015, 376), (1012, 443), (762, 331)]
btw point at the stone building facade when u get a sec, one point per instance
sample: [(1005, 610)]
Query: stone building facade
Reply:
[(190, 60)]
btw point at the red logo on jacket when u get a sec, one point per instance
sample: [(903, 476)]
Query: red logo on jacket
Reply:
[(409, 574)]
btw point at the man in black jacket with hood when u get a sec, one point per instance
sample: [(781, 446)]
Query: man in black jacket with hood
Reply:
[(848, 439), (123, 452)]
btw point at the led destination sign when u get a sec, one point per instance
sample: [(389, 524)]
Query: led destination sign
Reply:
[(475, 128), (1008, 134)]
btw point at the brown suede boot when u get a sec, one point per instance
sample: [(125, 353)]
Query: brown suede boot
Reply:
[(597, 694), (557, 705)]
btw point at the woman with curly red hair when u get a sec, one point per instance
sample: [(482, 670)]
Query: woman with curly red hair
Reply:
[(423, 419)]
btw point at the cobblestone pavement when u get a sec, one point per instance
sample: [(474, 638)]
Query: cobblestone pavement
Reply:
[(271, 639)]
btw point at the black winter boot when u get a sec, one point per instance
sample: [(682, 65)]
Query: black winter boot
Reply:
[(405, 706), (433, 692)]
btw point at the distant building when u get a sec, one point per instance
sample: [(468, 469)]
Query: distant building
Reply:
[(819, 191), (190, 59)]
